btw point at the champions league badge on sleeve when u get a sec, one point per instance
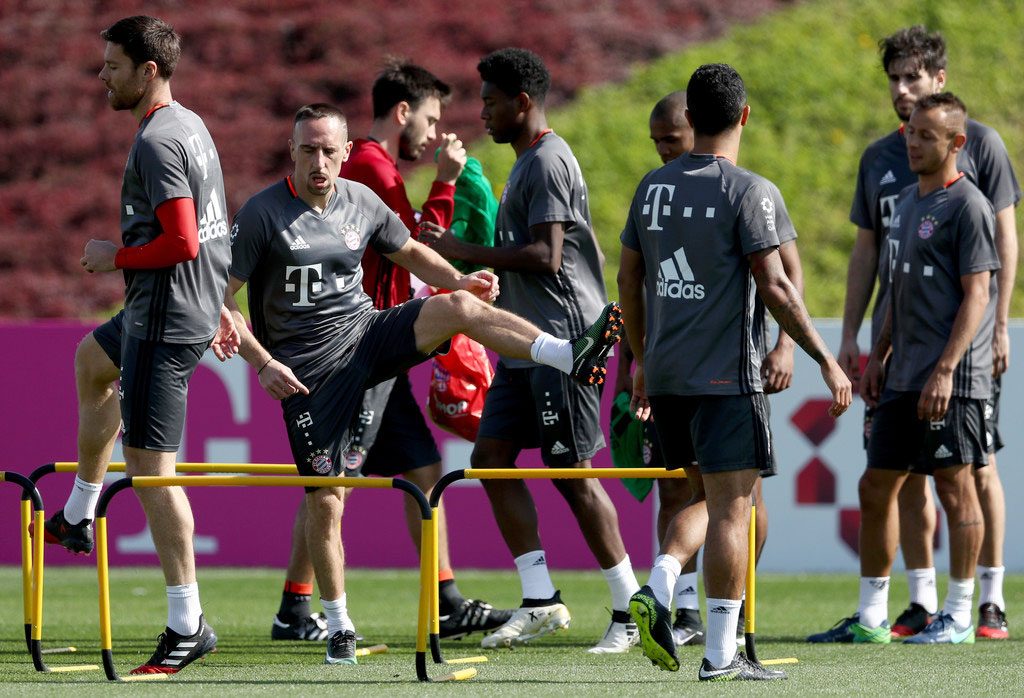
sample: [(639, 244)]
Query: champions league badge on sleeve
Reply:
[(320, 461)]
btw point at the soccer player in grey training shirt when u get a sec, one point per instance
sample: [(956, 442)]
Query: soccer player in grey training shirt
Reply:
[(914, 61), (547, 258), (318, 342), (701, 239), (175, 260), (930, 399)]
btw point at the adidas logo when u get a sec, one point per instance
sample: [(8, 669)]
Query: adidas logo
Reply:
[(887, 178), (558, 449), (213, 224), (879, 583), (182, 650), (675, 278), (688, 590), (539, 561), (943, 452), (718, 609), (299, 244)]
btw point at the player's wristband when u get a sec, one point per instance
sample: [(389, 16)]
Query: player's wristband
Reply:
[(264, 365)]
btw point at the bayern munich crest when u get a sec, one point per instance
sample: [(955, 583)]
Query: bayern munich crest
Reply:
[(350, 234), (321, 462), (354, 459), (927, 227)]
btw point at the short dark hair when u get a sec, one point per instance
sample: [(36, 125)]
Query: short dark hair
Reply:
[(515, 70), (401, 81), (956, 111), (319, 110), (915, 43), (670, 108), (715, 97), (146, 39)]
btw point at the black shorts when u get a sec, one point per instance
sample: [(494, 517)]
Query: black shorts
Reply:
[(390, 436), (154, 390), (993, 439), (320, 425), (719, 433), (541, 407), (108, 336), (901, 441)]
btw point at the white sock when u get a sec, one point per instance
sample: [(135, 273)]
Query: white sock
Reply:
[(992, 586), (720, 640), (552, 351), (183, 608), (663, 578), (874, 601), (622, 583), (336, 613), (922, 588), (82, 501), (686, 591), (534, 575), (959, 600)]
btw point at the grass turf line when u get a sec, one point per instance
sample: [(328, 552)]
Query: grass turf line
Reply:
[(240, 603)]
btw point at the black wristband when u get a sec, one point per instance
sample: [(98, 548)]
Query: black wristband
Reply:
[(265, 365)]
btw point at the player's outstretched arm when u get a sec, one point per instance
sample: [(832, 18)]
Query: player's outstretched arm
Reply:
[(276, 378), (860, 284), (542, 255), (436, 271), (784, 303)]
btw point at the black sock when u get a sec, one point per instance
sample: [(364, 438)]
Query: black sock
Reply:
[(293, 607), (450, 598)]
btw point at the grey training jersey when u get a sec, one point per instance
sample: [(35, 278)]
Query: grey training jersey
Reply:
[(306, 298), (173, 157), (885, 172), (546, 186), (935, 240), (695, 220)]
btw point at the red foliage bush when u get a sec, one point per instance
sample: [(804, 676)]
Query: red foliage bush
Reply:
[(247, 66)]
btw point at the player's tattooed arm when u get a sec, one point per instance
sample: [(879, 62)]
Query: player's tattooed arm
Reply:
[(784, 303)]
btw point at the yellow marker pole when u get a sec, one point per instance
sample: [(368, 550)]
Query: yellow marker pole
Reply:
[(260, 481), (570, 473), (37, 576), (751, 605), (26, 569)]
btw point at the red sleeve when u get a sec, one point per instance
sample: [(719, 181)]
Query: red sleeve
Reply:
[(179, 241), (440, 205)]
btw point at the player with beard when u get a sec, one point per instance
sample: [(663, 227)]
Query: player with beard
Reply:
[(175, 260)]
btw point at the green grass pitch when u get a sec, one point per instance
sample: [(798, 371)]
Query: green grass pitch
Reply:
[(239, 603)]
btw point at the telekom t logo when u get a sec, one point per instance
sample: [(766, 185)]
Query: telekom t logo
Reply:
[(306, 286), (653, 206)]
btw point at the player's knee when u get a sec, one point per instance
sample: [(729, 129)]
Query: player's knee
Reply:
[(325, 504), (93, 368), (463, 307), (874, 495)]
